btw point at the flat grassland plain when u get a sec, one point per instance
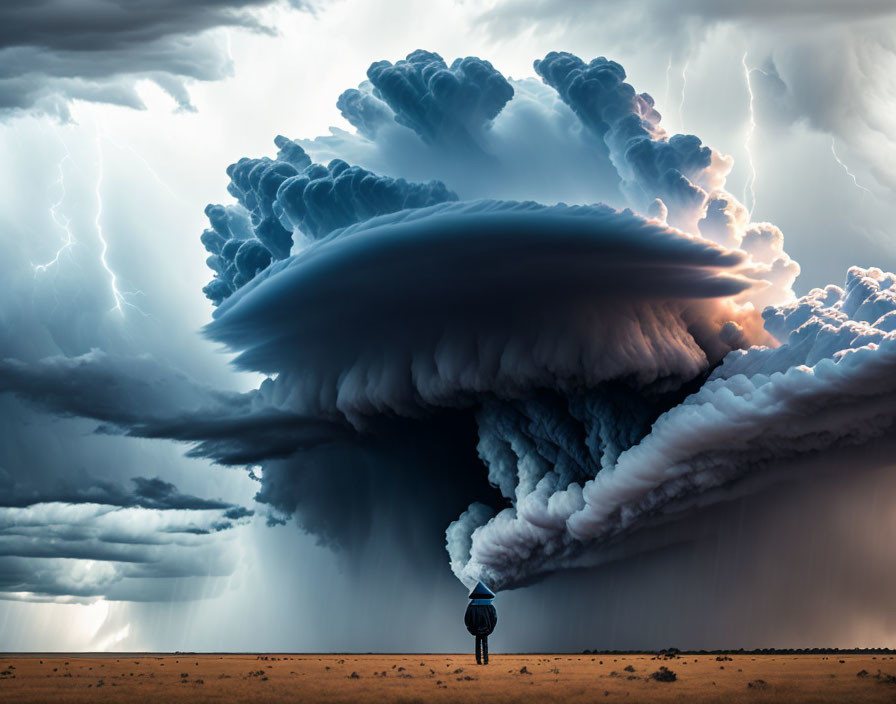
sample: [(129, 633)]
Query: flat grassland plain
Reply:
[(193, 678)]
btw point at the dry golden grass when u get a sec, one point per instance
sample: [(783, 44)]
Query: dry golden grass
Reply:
[(442, 678)]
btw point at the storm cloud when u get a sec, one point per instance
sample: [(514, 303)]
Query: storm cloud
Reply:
[(673, 26), (143, 397), (585, 436), (553, 377), (67, 532), (56, 51), (86, 537)]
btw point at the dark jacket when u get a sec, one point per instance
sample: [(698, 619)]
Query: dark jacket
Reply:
[(481, 619)]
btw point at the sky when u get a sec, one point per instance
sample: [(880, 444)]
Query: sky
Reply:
[(665, 422)]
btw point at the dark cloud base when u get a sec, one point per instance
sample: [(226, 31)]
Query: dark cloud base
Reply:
[(56, 51), (413, 476)]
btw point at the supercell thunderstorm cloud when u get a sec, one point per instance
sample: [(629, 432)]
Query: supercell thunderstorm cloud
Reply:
[(599, 349), (516, 317)]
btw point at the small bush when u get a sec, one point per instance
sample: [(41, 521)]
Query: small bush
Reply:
[(664, 674), (884, 678)]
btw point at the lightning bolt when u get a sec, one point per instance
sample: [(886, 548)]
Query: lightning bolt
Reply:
[(120, 300), (69, 240), (684, 85), (117, 294), (848, 172), (749, 186), (61, 220)]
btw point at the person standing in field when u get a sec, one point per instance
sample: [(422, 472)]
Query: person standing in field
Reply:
[(481, 619)]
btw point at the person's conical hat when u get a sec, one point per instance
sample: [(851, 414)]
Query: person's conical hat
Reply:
[(482, 592)]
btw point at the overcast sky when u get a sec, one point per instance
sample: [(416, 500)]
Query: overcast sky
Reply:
[(116, 125)]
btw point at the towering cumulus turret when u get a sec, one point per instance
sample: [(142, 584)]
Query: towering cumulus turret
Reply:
[(446, 106), (287, 196)]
